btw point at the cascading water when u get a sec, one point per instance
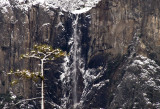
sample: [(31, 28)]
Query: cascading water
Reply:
[(74, 70), (75, 51), (72, 66)]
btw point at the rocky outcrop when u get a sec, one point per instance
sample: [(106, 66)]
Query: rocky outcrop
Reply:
[(139, 87)]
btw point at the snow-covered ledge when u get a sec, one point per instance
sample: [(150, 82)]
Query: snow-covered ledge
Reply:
[(72, 6)]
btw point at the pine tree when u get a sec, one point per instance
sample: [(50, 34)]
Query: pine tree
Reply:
[(44, 53)]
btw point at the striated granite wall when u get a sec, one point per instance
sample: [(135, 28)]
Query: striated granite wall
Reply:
[(120, 31), (115, 23), (116, 33), (19, 31)]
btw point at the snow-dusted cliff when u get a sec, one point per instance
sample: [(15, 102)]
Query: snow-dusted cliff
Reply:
[(73, 6), (113, 56)]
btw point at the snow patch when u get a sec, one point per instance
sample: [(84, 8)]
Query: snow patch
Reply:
[(83, 10), (73, 6), (4, 4), (13, 96)]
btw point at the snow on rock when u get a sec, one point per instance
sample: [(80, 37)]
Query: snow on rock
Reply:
[(13, 96), (83, 10), (140, 85), (4, 4), (91, 87), (73, 6)]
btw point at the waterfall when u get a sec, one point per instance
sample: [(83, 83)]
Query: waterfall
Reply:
[(75, 50), (72, 67), (74, 71)]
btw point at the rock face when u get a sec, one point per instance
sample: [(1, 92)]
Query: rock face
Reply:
[(139, 87), (120, 43), (119, 31), (19, 31)]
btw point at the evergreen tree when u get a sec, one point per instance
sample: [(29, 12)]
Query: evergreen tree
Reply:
[(44, 53)]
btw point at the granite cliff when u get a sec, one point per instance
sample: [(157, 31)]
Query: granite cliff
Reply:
[(119, 41)]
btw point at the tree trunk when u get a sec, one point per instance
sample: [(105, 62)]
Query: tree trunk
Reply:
[(42, 86)]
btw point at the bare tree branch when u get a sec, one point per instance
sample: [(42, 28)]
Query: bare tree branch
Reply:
[(27, 100)]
